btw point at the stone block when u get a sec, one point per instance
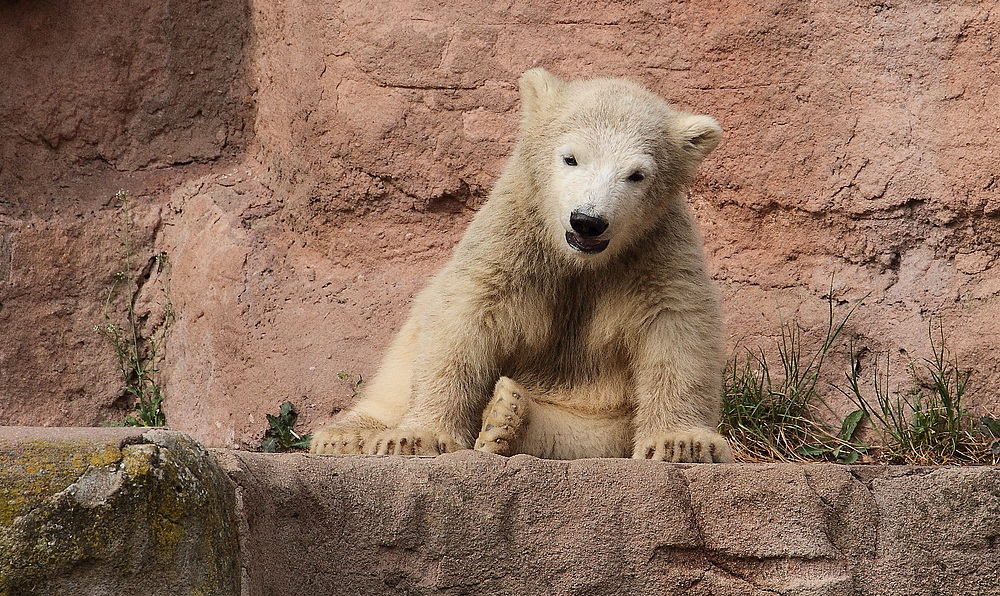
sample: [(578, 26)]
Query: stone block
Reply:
[(94, 512)]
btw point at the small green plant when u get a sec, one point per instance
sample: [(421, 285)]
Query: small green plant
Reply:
[(843, 450), (355, 381), (991, 428), (138, 372), (281, 435), (771, 417), (137, 356), (927, 424)]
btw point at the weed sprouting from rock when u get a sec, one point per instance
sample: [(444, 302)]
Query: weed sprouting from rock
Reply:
[(771, 415), (137, 355), (281, 435), (927, 423)]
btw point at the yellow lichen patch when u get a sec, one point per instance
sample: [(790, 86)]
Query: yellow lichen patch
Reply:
[(167, 506), (167, 536), (139, 460), (106, 456), (145, 514), (33, 471)]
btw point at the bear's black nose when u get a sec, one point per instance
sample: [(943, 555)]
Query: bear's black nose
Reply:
[(586, 225)]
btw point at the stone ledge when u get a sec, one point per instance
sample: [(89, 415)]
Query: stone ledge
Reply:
[(471, 523), (117, 511)]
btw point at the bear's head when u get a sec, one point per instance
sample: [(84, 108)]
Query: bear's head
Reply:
[(606, 157)]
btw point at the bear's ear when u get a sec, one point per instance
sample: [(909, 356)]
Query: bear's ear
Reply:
[(700, 134), (537, 87)]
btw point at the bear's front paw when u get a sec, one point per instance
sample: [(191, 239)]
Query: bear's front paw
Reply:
[(338, 440), (504, 419), (684, 446), (412, 442)]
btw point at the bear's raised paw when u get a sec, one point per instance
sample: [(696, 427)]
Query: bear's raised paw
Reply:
[(691, 446), (504, 419)]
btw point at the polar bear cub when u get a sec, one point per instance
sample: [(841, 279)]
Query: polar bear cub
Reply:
[(575, 318)]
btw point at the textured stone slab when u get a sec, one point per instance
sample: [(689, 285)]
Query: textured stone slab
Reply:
[(107, 511), (133, 511), (470, 523)]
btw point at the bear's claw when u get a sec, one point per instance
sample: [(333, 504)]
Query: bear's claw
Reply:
[(338, 440), (366, 441), (685, 446), (411, 442)]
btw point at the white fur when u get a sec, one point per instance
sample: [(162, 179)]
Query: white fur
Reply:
[(522, 343), (598, 185)]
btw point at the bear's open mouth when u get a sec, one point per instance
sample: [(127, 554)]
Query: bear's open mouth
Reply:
[(587, 245)]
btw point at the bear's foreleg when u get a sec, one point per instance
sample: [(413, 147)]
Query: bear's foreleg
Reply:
[(679, 391), (454, 369)]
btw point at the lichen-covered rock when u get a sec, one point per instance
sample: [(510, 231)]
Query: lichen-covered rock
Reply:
[(113, 511)]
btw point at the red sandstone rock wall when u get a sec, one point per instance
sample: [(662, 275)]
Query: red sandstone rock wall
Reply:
[(95, 97), (324, 157)]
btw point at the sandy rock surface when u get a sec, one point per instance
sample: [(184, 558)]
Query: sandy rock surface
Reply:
[(474, 523), (305, 166), (88, 511)]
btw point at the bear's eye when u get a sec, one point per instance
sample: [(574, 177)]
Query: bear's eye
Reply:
[(636, 176), (569, 160)]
